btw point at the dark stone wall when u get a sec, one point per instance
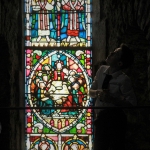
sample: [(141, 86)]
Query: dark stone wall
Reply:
[(124, 21), (128, 21), (5, 92), (10, 28), (114, 22)]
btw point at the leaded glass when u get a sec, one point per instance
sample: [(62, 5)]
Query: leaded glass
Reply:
[(58, 78), (58, 23), (58, 74)]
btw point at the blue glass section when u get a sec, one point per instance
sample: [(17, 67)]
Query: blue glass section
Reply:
[(63, 36), (64, 29), (53, 34)]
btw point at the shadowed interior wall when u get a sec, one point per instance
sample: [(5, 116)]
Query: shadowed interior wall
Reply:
[(5, 92)]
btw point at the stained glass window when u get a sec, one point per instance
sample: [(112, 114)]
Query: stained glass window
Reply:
[(58, 62)]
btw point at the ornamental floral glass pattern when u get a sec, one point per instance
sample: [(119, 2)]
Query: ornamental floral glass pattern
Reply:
[(58, 77)]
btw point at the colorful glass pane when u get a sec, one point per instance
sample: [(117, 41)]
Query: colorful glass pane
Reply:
[(58, 78), (58, 23)]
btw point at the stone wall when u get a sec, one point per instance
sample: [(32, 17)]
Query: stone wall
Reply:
[(127, 22), (5, 93), (9, 30)]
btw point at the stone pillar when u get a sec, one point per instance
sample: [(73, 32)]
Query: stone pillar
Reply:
[(148, 57), (98, 35)]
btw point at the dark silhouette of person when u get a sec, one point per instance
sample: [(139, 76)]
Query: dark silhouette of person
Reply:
[(112, 88)]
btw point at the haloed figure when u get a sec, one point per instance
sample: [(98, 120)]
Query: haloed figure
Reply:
[(43, 99)]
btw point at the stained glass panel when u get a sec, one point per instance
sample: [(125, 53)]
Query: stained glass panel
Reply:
[(58, 23), (58, 78), (58, 74)]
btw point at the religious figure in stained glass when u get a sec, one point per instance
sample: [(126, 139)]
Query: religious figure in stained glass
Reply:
[(44, 26), (43, 23), (76, 20), (57, 23), (56, 79)]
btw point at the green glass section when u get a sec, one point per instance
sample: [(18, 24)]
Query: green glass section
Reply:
[(57, 77), (35, 130), (83, 131), (46, 130), (73, 130)]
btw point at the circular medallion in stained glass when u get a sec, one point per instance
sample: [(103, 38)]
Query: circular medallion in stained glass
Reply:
[(58, 79)]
